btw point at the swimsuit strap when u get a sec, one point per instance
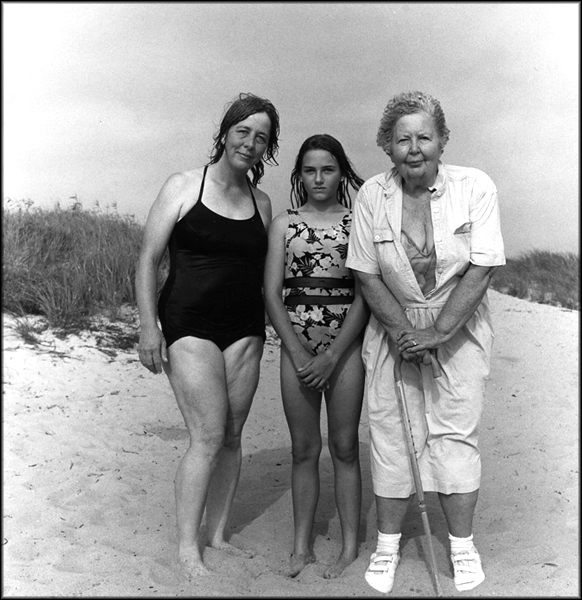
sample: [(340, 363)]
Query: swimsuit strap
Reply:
[(202, 185), (252, 195), (297, 218), (423, 253)]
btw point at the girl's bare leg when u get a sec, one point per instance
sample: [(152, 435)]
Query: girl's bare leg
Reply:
[(302, 407), (344, 406)]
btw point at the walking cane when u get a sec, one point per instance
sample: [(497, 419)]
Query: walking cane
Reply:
[(414, 459)]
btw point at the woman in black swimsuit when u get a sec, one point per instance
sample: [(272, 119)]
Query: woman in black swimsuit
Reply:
[(214, 222)]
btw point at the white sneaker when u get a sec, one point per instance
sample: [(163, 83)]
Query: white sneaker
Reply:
[(467, 569), (380, 572)]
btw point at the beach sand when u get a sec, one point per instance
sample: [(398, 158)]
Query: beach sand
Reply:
[(92, 441)]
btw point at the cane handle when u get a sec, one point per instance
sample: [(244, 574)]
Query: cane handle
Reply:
[(434, 363), (436, 368)]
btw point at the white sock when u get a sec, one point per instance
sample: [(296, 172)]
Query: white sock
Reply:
[(461, 544), (388, 543)]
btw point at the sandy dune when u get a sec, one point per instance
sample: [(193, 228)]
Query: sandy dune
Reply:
[(92, 441)]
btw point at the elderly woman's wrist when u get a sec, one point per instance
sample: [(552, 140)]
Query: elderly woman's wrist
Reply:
[(396, 333), (443, 336)]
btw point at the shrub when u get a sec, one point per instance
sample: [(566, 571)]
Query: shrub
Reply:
[(541, 276), (68, 265)]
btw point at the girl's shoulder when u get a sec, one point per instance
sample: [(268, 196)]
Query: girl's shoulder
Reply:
[(292, 216), (332, 220), (286, 215)]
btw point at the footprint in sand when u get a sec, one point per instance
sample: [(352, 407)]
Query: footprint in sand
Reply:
[(166, 572), (99, 559)]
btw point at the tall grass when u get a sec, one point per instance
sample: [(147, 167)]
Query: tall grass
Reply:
[(70, 264), (542, 276)]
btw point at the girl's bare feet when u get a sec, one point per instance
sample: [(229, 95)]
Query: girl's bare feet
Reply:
[(298, 562), (338, 567)]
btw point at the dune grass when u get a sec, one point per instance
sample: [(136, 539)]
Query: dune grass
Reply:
[(68, 265), (542, 276)]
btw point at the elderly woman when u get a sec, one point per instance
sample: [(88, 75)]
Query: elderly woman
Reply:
[(424, 245)]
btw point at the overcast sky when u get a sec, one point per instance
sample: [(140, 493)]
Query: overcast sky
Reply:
[(105, 100)]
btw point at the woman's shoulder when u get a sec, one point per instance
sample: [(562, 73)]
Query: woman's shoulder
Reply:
[(283, 217), (378, 184), (183, 182), (176, 193), (260, 196), (280, 223), (459, 173)]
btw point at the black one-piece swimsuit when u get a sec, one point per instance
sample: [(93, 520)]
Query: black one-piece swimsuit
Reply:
[(214, 287)]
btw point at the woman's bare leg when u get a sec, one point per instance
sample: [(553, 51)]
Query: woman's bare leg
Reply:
[(242, 365), (459, 510), (196, 374)]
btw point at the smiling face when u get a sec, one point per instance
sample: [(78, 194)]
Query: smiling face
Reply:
[(415, 148), (247, 141), (320, 175)]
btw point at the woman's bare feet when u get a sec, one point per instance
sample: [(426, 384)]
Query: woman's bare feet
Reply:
[(338, 567), (232, 550), (297, 562), (190, 563)]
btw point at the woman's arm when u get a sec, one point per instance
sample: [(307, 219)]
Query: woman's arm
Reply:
[(388, 311), (161, 219), (273, 286), (264, 206), (383, 304), (459, 308)]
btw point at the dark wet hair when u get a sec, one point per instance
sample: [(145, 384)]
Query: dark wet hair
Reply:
[(239, 110), (350, 177)]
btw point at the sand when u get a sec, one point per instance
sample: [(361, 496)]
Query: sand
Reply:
[(92, 441)]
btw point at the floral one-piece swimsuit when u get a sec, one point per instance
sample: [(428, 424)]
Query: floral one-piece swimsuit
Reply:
[(318, 287)]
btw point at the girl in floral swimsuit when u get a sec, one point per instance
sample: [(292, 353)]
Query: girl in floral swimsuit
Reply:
[(316, 306), (319, 314)]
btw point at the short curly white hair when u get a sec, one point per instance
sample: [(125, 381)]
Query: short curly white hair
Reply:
[(408, 103)]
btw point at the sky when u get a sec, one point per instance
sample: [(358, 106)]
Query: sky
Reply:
[(104, 101)]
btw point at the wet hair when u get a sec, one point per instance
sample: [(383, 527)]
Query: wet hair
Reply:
[(239, 110), (349, 175), (409, 103)]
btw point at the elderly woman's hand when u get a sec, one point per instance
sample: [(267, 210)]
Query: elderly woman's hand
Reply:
[(415, 342)]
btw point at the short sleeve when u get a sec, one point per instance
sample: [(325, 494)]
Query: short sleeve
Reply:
[(361, 252), (487, 249)]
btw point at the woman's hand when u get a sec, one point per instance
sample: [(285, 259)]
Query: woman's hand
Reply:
[(152, 349), (415, 344), (317, 371)]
